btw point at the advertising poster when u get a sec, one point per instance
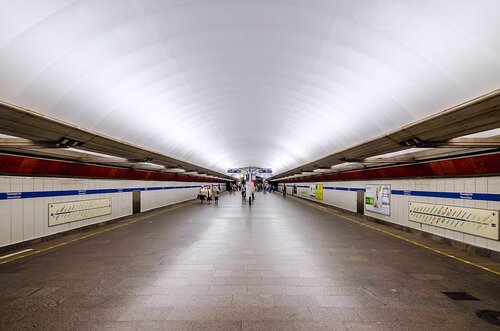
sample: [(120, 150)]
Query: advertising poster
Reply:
[(378, 199), (319, 191), (312, 190)]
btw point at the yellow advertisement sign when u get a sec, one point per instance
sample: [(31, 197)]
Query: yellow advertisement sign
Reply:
[(319, 191)]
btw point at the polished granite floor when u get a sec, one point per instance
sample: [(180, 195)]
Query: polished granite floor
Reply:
[(277, 265)]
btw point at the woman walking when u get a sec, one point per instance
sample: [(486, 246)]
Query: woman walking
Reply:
[(209, 194), (216, 194), (201, 194)]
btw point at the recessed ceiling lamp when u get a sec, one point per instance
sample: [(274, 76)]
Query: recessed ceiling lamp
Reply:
[(83, 151), (342, 165), (174, 170), (150, 165), (322, 170)]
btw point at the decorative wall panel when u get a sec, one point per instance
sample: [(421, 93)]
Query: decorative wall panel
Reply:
[(479, 222), (66, 212)]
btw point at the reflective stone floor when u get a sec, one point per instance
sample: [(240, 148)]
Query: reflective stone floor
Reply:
[(277, 265)]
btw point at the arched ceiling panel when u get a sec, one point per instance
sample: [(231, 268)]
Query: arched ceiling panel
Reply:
[(233, 83)]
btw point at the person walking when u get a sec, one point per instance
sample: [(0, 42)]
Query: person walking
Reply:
[(209, 194), (216, 194), (243, 192), (202, 194)]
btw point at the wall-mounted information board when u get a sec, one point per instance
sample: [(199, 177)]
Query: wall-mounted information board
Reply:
[(72, 211), (479, 222)]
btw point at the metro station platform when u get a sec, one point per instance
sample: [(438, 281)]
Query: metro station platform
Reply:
[(279, 264)]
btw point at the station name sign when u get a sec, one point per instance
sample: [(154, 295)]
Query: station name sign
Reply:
[(260, 171)]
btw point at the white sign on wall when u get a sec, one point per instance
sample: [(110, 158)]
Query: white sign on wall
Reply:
[(378, 198), (479, 222), (72, 211)]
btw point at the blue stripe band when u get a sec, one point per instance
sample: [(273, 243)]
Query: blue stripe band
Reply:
[(46, 194), (450, 195), (430, 194)]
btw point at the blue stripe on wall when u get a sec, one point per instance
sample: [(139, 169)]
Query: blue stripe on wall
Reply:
[(45, 194), (432, 194), (450, 195)]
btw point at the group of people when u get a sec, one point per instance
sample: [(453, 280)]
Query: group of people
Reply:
[(264, 187), (233, 188), (241, 187), (294, 190), (209, 193)]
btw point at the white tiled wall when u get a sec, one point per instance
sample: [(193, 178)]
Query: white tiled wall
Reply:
[(26, 219), (399, 203)]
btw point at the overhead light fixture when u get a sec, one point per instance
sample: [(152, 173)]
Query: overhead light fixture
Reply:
[(342, 165), (319, 170), (65, 142), (150, 165), (5, 136), (402, 152), (84, 151), (174, 170), (484, 134), (413, 142)]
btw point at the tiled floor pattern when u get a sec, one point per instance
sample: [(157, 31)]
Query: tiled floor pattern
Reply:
[(275, 265)]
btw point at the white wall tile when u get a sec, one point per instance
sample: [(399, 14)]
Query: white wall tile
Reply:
[(481, 242), (16, 184), (5, 222), (16, 219), (494, 185), (468, 238), (4, 184), (494, 245), (481, 185), (25, 219)]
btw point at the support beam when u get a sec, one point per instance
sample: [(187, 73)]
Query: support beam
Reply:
[(385, 160), (490, 142)]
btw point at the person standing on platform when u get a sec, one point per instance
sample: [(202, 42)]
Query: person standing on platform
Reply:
[(243, 192), (202, 194), (209, 194), (216, 194)]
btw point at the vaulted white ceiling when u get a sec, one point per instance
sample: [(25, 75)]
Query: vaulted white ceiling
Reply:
[(234, 83)]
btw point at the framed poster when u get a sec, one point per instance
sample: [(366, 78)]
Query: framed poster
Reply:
[(378, 198), (312, 190), (319, 191)]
